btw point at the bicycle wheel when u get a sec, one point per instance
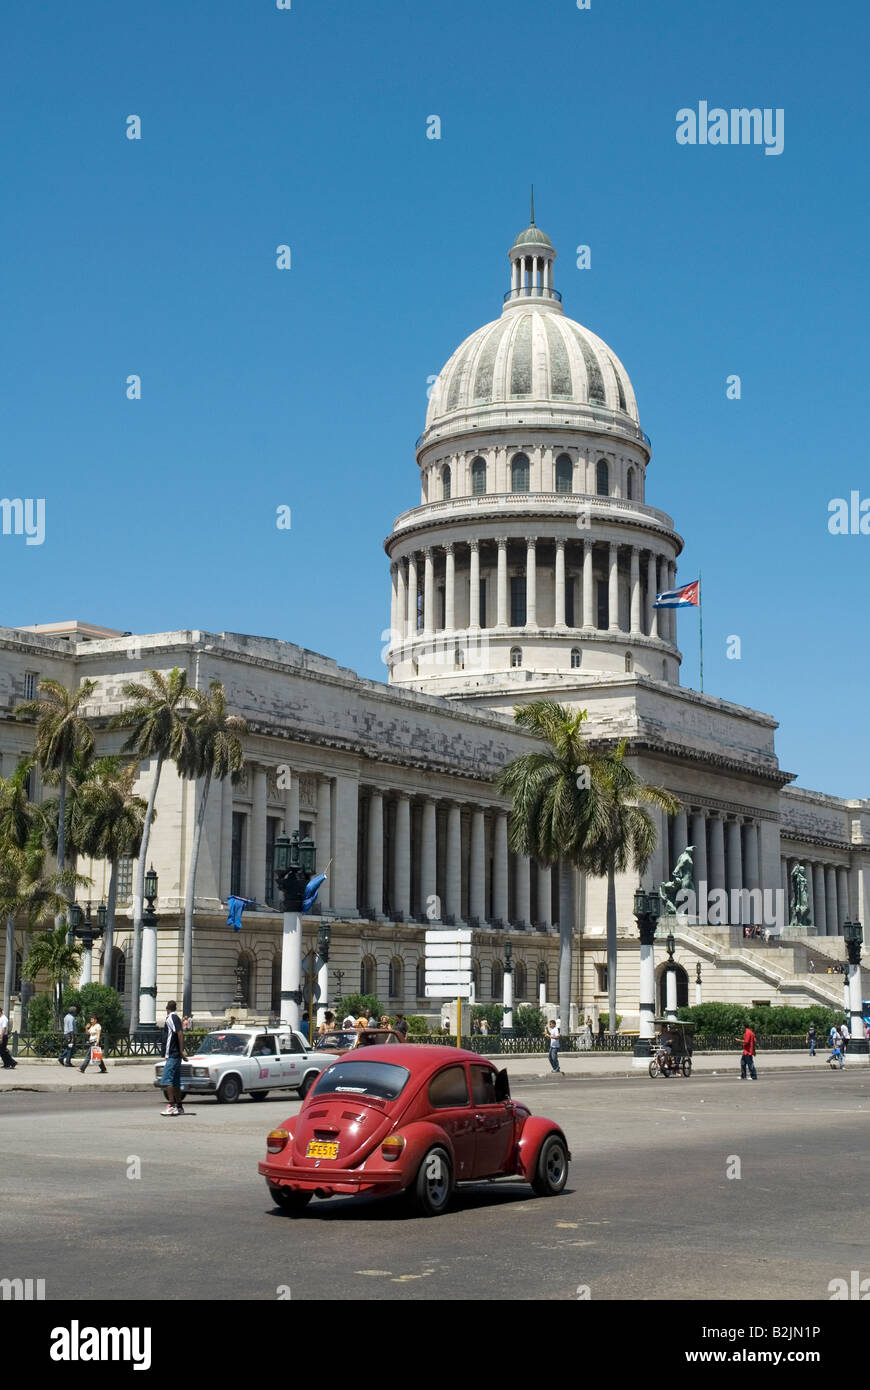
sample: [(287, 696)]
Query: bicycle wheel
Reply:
[(653, 1067), (687, 1066)]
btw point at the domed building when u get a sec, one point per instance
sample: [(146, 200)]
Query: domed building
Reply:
[(532, 559)]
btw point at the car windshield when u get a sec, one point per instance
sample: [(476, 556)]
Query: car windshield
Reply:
[(233, 1044), (328, 1041), (381, 1079)]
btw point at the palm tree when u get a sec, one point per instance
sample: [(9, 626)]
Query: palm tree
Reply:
[(108, 824), (158, 729), (52, 954), (213, 750), (16, 827), (61, 732), (557, 805), (626, 837)]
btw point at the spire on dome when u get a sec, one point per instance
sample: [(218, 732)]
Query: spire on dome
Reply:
[(531, 258), (532, 218)]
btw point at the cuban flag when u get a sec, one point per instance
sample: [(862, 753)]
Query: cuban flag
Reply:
[(689, 596), (312, 888)]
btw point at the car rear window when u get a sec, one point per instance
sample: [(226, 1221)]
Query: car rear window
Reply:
[(380, 1079), (327, 1041)]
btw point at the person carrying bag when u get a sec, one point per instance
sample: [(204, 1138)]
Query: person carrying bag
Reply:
[(95, 1047)]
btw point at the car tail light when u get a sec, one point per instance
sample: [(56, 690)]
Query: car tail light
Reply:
[(276, 1140), (392, 1146)]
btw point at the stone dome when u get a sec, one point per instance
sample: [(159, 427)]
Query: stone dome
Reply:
[(533, 236), (531, 355)]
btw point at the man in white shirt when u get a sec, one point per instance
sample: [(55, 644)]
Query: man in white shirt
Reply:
[(8, 1062), (555, 1037), (69, 1036)]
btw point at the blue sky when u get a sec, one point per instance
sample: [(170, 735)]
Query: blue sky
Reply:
[(308, 387)]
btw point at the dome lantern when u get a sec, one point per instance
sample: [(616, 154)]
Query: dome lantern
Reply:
[(531, 257)]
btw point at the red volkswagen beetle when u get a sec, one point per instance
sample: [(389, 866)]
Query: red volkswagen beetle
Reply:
[(410, 1118)]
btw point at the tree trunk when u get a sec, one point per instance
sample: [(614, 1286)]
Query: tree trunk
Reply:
[(9, 967), (110, 923), (61, 843), (566, 942), (139, 897), (611, 949), (187, 966)]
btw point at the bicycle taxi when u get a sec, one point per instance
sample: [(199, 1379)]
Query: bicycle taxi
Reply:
[(673, 1048)]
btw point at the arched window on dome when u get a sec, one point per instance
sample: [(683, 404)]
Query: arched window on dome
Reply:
[(629, 661), (602, 478), (445, 482), (629, 485), (520, 473), (516, 656), (478, 477), (575, 658), (564, 474)]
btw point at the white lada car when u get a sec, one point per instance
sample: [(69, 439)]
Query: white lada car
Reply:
[(252, 1059)]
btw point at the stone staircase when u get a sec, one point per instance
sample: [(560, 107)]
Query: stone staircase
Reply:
[(774, 964)]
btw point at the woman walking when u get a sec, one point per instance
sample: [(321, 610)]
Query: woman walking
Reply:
[(95, 1049)]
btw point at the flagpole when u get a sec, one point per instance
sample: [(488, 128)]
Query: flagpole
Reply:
[(701, 629)]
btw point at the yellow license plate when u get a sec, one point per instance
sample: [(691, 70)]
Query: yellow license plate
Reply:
[(318, 1148)]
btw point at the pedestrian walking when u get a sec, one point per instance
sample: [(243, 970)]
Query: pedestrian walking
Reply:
[(9, 1062), (95, 1045), (836, 1042), (69, 1035), (845, 1036), (812, 967), (747, 1061), (555, 1039), (811, 1039), (484, 1028), (587, 1035), (402, 1026), (173, 1054)]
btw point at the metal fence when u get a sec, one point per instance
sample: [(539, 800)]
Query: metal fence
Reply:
[(125, 1045)]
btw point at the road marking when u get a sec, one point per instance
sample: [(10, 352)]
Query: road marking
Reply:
[(567, 1225), (402, 1278), (377, 1273)]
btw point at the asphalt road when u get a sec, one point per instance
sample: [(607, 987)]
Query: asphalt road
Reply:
[(649, 1213)]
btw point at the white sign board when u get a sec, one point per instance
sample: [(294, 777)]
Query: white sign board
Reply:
[(448, 978), (448, 948), (449, 963), (442, 992), (449, 934)]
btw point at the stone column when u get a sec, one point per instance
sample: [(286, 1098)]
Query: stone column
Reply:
[(401, 623), (588, 587), (394, 600), (500, 869), (819, 910), (545, 898), (613, 589), (531, 583), (412, 596), (257, 837), (324, 836), (635, 592), (477, 868), (811, 899), (449, 587), (843, 914), (681, 833), (375, 856), (671, 572), (291, 804), (560, 583), (428, 879), (651, 582), (402, 857), (226, 837), (699, 840), (428, 591), (522, 894), (750, 868), (502, 583), (474, 586), (735, 872), (717, 851), (830, 901), (453, 876)]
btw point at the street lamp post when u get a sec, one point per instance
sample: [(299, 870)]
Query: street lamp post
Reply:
[(508, 989), (698, 984), (88, 932), (858, 1044), (294, 865), (148, 967), (671, 979), (323, 937), (647, 910)]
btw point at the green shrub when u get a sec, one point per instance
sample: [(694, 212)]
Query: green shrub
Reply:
[(529, 1022), (357, 1004), (729, 1019), (40, 1015), (417, 1025), (493, 1013), (605, 1019), (102, 1000)]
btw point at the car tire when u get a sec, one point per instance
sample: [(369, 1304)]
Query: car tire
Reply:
[(551, 1169), (433, 1190), (302, 1091), (293, 1203), (259, 1095), (229, 1090)]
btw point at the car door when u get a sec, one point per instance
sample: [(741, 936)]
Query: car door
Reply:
[(292, 1054), (450, 1107), (492, 1123), (267, 1066)]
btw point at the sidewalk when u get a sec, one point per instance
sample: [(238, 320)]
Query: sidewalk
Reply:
[(46, 1075)]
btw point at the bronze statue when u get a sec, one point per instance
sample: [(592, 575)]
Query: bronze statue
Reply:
[(800, 902), (682, 880)]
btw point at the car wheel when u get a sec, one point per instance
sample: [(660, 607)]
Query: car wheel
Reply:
[(229, 1090), (302, 1091), (551, 1170), (259, 1095), (294, 1203), (434, 1183), (687, 1066)]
